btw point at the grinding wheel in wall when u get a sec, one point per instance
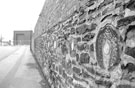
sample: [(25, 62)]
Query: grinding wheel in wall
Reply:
[(107, 48)]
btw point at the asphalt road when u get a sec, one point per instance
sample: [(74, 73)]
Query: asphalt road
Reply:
[(18, 68)]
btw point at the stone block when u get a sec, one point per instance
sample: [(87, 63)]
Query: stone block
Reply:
[(77, 57), (77, 78), (78, 86), (105, 3), (76, 70), (130, 5), (69, 64), (82, 29), (63, 63), (130, 51), (57, 68), (105, 11), (64, 49), (91, 11), (92, 47), (70, 80), (60, 69), (89, 3), (92, 71), (72, 31), (74, 62), (84, 58), (83, 47), (88, 37), (78, 39), (125, 21), (85, 74), (75, 22), (117, 5), (105, 83), (124, 86), (72, 53), (64, 74), (93, 27)]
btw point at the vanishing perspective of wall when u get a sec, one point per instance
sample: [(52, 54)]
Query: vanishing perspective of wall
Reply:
[(87, 43)]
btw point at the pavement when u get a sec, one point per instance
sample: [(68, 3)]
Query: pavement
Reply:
[(18, 68)]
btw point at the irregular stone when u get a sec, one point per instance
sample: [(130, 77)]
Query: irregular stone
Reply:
[(103, 82), (130, 51), (69, 64), (125, 21), (79, 79), (81, 10), (90, 18), (80, 47), (63, 63), (89, 3), (78, 86), (64, 49), (53, 66), (124, 86), (72, 53), (75, 22), (83, 47), (85, 74), (81, 29), (73, 62), (84, 58), (72, 31), (117, 5), (60, 69), (107, 16), (88, 37), (57, 68), (77, 57), (70, 80), (66, 35), (76, 70), (105, 11), (130, 32), (92, 71), (82, 16), (60, 86), (92, 11), (81, 22), (64, 74), (93, 27), (92, 47), (130, 67), (69, 71), (78, 39), (59, 78), (130, 5), (105, 3)]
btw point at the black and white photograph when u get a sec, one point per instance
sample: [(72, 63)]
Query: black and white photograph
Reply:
[(67, 44)]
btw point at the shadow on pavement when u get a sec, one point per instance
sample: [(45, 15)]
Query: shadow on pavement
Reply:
[(35, 66)]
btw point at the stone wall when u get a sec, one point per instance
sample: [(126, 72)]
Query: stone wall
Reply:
[(87, 43)]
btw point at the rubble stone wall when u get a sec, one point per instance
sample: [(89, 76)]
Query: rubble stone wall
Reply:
[(85, 43)]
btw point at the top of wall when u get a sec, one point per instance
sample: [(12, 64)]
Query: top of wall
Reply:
[(55, 11)]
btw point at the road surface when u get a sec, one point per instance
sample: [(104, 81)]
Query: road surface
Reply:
[(18, 68)]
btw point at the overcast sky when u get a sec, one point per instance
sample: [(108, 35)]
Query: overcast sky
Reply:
[(18, 15)]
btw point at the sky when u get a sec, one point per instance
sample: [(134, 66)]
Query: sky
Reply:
[(18, 15)]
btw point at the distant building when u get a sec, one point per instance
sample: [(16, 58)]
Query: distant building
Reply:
[(22, 37)]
